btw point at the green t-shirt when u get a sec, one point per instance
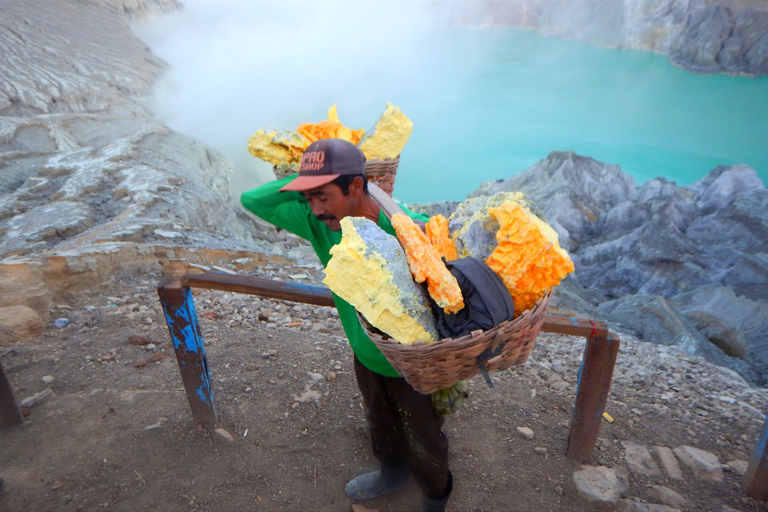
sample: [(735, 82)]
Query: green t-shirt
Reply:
[(290, 211)]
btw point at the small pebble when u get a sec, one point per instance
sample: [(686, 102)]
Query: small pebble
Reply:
[(61, 322), (525, 432), (47, 379), (224, 434), (540, 450)]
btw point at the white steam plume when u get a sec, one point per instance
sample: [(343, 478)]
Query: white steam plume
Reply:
[(237, 66)]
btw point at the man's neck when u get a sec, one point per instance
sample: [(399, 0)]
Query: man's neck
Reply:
[(368, 208)]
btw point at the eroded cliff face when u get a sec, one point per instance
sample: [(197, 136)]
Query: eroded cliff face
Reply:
[(90, 183), (683, 266), (699, 35)]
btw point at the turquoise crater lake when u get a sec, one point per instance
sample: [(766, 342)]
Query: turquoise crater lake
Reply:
[(503, 99)]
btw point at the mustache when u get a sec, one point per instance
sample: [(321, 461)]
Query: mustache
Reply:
[(324, 218)]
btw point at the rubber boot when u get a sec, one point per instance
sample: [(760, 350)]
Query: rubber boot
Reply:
[(372, 485), (430, 505)]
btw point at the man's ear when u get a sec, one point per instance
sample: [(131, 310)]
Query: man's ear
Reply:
[(357, 186)]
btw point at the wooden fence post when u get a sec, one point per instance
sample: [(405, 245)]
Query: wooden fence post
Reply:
[(756, 477), (181, 317), (9, 408), (591, 393)]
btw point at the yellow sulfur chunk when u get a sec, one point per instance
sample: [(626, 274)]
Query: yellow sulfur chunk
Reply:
[(369, 270), (426, 265), (387, 138), (277, 146), (528, 257), (438, 235)]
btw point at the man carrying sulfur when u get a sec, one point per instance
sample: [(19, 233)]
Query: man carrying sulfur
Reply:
[(405, 430)]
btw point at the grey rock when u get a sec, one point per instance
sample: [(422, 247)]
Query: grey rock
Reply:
[(599, 485), (704, 465), (668, 462), (738, 466), (638, 458), (670, 497)]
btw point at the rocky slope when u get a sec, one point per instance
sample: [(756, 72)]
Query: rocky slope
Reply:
[(93, 188), (90, 183), (679, 265), (708, 36)]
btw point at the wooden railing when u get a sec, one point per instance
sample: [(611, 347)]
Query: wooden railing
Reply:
[(594, 376)]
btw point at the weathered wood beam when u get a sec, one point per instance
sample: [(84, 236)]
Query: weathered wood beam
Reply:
[(181, 317), (595, 374), (756, 477), (591, 394), (321, 296), (263, 287), (10, 413)]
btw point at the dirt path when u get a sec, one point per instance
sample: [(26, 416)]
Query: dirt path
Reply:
[(111, 436)]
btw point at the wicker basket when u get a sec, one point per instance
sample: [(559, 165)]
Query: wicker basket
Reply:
[(434, 366), (380, 172)]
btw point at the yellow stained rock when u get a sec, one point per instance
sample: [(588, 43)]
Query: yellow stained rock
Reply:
[(369, 270), (277, 146), (387, 138), (438, 235), (528, 257), (426, 265)]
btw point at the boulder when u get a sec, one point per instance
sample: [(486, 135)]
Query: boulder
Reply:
[(18, 323), (601, 485), (704, 465)]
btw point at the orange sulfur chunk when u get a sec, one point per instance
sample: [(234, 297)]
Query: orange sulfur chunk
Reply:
[(331, 128), (529, 258), (425, 265), (437, 233)]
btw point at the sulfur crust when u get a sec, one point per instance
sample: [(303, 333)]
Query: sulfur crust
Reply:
[(473, 229), (277, 146), (426, 265), (439, 237), (368, 269), (387, 138), (528, 257)]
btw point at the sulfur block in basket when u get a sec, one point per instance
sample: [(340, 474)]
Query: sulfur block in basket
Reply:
[(439, 236), (472, 227), (387, 138), (528, 257), (368, 269), (278, 147), (426, 265)]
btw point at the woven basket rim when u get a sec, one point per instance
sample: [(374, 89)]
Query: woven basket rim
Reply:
[(451, 343)]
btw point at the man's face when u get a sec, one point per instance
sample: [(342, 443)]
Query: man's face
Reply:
[(330, 205)]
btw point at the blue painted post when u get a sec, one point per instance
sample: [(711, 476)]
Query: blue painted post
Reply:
[(9, 408), (181, 317), (591, 394), (756, 477)]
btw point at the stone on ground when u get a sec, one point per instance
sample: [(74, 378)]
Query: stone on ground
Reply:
[(600, 485), (668, 462), (703, 464), (638, 458)]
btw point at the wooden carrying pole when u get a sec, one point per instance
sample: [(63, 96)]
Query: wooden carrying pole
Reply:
[(594, 377)]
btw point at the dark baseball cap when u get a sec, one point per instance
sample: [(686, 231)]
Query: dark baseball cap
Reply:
[(324, 161)]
